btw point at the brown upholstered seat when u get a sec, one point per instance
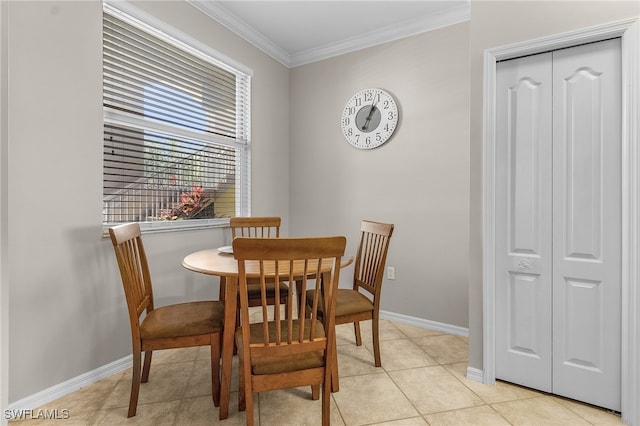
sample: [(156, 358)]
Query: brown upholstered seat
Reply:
[(351, 302), (173, 326), (298, 348), (181, 320)]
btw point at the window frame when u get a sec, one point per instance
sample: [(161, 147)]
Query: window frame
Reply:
[(157, 28)]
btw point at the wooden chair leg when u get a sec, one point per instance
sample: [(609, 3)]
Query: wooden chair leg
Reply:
[(326, 405), (235, 347), (215, 368), (242, 402), (135, 383), (356, 329), (146, 367), (376, 342), (315, 392), (335, 384), (248, 397)]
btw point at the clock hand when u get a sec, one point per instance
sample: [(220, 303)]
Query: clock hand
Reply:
[(368, 119)]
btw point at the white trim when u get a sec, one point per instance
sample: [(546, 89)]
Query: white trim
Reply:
[(68, 386), (173, 225), (394, 32), (474, 374), (560, 41), (489, 223), (423, 323), (124, 118), (631, 225), (451, 16), (229, 20), (629, 31)]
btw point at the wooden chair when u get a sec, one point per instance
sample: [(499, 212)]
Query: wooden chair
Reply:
[(354, 306), (174, 326), (297, 349), (259, 227)]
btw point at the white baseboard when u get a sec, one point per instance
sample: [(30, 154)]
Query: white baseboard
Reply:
[(423, 323), (475, 374), (54, 392)]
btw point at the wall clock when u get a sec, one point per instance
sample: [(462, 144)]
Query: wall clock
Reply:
[(369, 118)]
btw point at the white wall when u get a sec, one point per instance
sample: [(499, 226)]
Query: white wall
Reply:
[(67, 312), (53, 196), (499, 23), (419, 180)]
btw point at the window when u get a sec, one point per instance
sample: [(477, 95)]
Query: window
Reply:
[(176, 129)]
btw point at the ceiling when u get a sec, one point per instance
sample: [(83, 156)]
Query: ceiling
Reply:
[(297, 32)]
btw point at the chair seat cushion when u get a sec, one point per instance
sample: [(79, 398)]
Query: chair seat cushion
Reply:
[(183, 319), (284, 363), (348, 302)]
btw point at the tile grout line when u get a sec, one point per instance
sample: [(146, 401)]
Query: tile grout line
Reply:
[(398, 386), (184, 393)]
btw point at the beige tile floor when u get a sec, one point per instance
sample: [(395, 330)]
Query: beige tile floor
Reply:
[(422, 382)]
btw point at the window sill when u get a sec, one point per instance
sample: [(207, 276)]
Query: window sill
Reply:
[(174, 225)]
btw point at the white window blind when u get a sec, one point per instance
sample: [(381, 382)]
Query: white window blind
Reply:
[(176, 132)]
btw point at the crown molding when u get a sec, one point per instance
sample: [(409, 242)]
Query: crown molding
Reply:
[(229, 20), (454, 15), (391, 33)]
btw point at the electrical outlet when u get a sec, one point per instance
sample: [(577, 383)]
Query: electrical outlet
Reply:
[(391, 273)]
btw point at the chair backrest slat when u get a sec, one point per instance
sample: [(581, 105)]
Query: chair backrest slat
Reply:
[(372, 255), (289, 259), (256, 227), (134, 269)]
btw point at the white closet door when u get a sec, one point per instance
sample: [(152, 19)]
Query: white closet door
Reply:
[(558, 235), (586, 220), (523, 221)]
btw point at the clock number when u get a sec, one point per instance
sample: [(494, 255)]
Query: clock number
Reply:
[(391, 115), (352, 110), (370, 96), (346, 121), (358, 101)]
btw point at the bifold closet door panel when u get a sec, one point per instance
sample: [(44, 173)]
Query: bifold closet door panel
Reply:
[(586, 223), (523, 221)]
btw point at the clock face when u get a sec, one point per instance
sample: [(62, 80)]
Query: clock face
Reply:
[(369, 118)]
